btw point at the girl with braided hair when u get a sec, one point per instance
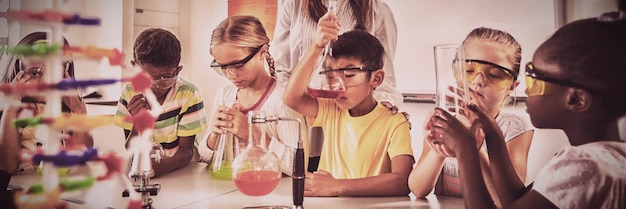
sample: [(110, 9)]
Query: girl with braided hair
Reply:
[(239, 45)]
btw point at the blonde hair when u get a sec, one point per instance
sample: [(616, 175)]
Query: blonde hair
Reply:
[(243, 31), (513, 48)]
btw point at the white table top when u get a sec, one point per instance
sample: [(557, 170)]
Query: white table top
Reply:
[(193, 187), (282, 196)]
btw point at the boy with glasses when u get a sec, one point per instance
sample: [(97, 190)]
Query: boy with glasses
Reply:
[(367, 150), (157, 52)]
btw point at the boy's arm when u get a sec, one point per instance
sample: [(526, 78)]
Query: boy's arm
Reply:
[(295, 94), (180, 159), (394, 183), (424, 175)]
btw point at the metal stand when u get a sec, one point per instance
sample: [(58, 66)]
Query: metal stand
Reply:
[(143, 178), (298, 175), (144, 187)]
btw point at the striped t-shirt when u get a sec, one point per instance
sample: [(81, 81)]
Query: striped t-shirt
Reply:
[(183, 113)]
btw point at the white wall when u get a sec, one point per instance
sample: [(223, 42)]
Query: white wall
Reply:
[(424, 23), (205, 16)]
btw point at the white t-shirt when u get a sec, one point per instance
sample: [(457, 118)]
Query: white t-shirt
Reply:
[(592, 175)]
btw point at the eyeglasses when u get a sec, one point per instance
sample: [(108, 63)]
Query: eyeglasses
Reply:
[(351, 76), (493, 74), (538, 84), (233, 67)]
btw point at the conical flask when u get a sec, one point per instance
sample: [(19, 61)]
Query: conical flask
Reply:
[(326, 82), (256, 170), (226, 148)]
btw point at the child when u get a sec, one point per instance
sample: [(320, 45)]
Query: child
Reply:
[(574, 83), (367, 150), (157, 52), (492, 66), (25, 71), (14, 140), (239, 45), (295, 32)]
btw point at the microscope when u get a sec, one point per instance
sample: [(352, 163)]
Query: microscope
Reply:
[(141, 172)]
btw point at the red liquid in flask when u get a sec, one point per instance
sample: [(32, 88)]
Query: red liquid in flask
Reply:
[(331, 94), (257, 183)]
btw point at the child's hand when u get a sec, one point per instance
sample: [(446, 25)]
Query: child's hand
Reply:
[(460, 96), (327, 30), (75, 101), (320, 184), (21, 78), (489, 127), (449, 136), (230, 120), (137, 103)]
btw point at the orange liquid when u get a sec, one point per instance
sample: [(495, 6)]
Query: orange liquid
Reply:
[(257, 183), (324, 93)]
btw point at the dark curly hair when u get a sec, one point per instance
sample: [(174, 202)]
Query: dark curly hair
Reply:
[(157, 47), (360, 45), (592, 53)]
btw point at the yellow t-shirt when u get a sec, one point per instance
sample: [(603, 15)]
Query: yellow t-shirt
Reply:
[(358, 147)]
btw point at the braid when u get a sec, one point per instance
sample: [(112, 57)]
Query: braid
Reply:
[(270, 64)]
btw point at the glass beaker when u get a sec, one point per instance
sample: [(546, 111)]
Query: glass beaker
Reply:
[(324, 82), (451, 88), (256, 170), (226, 148)]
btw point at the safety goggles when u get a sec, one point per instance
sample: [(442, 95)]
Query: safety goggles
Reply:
[(234, 67), (538, 84), (492, 74), (165, 82), (352, 76)]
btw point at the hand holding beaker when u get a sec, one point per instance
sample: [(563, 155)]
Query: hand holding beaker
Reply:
[(324, 82), (227, 146)]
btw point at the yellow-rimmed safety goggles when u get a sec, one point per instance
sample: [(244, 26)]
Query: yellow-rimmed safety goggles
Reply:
[(493, 75), (538, 84)]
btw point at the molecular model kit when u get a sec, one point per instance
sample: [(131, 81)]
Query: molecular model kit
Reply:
[(141, 150)]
